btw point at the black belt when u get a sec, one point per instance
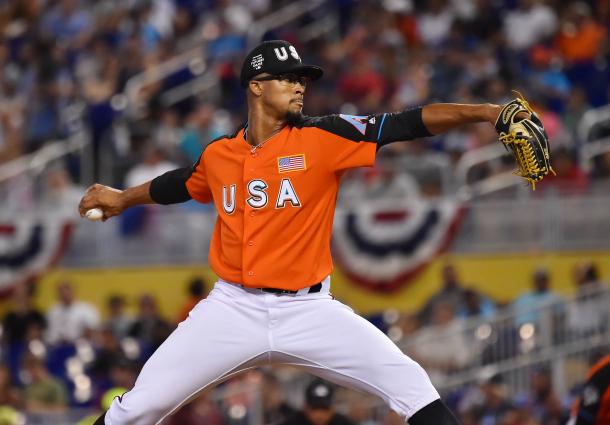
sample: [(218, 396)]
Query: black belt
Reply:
[(312, 289)]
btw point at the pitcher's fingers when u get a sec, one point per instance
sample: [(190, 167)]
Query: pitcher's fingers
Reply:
[(94, 186), (86, 203)]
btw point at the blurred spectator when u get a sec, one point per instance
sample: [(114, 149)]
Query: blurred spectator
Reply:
[(413, 85), (108, 352), (548, 81), (476, 305), (202, 410), (112, 372), (542, 402), (588, 314), (154, 163), (451, 292), (577, 105), (168, 132), (197, 290), (531, 22), (150, 328), (43, 393), (435, 22), (384, 182), (568, 175), (123, 373), (490, 402), (581, 43), (23, 321), (362, 84), (275, 408), (359, 411), (580, 36), (318, 408), (526, 306), (10, 395), (486, 23), (68, 24), (70, 319), (60, 194), (199, 130), (118, 322), (442, 347), (518, 416), (406, 326)]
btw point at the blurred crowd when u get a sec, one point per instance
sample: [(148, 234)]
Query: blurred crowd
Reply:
[(64, 72), (66, 64), (76, 356)]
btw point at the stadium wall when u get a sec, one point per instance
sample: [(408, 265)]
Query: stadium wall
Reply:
[(500, 276)]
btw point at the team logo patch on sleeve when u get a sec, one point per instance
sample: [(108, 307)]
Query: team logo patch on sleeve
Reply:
[(286, 164), (358, 121)]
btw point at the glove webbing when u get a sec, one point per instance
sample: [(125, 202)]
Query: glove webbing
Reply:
[(529, 167)]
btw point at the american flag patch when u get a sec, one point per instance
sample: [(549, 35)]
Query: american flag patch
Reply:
[(286, 164)]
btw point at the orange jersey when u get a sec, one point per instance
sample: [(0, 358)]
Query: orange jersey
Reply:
[(276, 202)]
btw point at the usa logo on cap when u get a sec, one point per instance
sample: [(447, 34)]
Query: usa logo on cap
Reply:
[(257, 61)]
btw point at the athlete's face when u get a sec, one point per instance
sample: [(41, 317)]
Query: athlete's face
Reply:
[(281, 94)]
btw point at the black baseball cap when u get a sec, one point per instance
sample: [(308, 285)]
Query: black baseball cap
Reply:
[(319, 394), (276, 57)]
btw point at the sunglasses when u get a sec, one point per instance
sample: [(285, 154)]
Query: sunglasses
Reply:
[(289, 78)]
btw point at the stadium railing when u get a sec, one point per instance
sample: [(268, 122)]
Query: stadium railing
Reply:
[(560, 336), (591, 121)]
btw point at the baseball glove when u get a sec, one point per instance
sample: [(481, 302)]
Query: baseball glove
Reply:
[(526, 139)]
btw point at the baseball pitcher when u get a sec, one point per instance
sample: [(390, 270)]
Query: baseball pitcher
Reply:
[(274, 184)]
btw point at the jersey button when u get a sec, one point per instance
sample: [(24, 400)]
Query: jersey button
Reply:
[(250, 243), (250, 273), (252, 213)]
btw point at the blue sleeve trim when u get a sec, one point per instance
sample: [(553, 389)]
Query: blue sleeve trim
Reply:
[(380, 127)]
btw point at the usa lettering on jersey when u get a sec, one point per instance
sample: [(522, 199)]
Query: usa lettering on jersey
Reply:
[(258, 197)]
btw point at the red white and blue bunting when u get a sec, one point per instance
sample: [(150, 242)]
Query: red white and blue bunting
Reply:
[(384, 244), (29, 247)]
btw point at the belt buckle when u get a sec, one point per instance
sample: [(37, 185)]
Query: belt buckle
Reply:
[(278, 291)]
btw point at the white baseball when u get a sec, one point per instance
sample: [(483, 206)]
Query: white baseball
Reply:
[(94, 214)]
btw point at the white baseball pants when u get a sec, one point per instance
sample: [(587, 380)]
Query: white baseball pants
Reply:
[(236, 328)]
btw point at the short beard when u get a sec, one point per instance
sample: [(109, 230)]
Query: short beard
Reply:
[(294, 118)]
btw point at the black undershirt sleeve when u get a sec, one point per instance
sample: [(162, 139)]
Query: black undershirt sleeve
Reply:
[(400, 126), (170, 188), (381, 129)]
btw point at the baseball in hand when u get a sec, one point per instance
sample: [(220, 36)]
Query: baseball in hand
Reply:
[(94, 214)]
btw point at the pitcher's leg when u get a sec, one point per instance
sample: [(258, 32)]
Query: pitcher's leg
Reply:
[(330, 340), (216, 340)]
